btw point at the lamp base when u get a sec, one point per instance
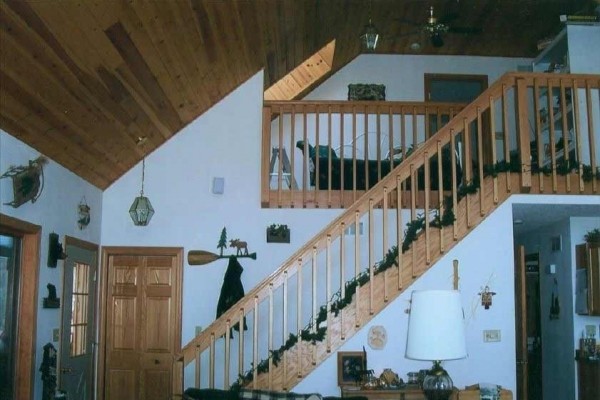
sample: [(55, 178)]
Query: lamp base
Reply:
[(437, 384)]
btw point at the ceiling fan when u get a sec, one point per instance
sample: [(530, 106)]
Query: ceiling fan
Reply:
[(436, 28)]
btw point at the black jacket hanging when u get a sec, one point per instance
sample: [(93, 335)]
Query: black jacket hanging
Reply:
[(232, 289)]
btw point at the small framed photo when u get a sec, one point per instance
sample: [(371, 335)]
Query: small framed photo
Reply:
[(351, 366)]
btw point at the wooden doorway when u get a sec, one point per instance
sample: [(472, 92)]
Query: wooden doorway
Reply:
[(26, 304), (78, 327), (140, 323)]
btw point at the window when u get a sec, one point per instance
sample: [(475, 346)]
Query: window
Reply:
[(79, 310)]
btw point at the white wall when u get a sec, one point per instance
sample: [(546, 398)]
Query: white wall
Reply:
[(55, 211), (224, 142), (403, 75)]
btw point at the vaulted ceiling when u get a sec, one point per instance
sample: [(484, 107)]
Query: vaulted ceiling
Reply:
[(81, 81)]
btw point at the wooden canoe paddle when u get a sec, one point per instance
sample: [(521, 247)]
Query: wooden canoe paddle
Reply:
[(202, 257)]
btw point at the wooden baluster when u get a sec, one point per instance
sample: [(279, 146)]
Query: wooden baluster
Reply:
[(270, 336), (354, 154), (299, 317), (402, 134), (399, 230), (342, 202), (241, 344), (441, 208), (292, 158), (266, 149), (305, 164), (591, 133), (493, 141), (357, 265), (342, 274), (314, 301), (280, 155), (255, 345), (285, 327), (577, 125), (413, 217), (371, 251), (211, 362), (523, 134), (565, 138), (552, 143), (385, 238), (328, 291), (426, 120), (198, 366), (366, 148), (414, 128), (391, 137), (427, 188), (480, 162), (378, 115), (468, 168), (454, 182), (329, 156), (538, 133), (506, 135), (226, 354), (317, 159)]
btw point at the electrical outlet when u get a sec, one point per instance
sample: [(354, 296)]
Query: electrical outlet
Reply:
[(55, 335), (491, 335), (198, 330)]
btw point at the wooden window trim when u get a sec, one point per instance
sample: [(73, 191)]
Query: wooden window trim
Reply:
[(28, 295)]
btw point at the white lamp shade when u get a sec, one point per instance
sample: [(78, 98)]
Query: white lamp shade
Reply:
[(436, 329)]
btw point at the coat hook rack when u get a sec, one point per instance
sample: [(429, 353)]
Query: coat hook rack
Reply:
[(203, 257)]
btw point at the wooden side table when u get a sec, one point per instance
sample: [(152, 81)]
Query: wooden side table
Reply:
[(408, 393)]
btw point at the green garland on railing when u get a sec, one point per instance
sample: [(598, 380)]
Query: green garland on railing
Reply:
[(413, 228)]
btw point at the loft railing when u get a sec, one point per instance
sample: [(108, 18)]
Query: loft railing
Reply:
[(339, 280), (327, 154)]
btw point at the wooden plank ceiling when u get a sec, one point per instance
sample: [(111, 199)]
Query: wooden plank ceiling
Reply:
[(81, 81)]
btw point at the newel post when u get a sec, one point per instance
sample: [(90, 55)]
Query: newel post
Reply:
[(523, 137)]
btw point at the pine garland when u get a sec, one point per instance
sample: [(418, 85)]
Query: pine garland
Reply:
[(413, 229)]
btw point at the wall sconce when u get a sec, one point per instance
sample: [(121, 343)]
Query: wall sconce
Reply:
[(486, 297)]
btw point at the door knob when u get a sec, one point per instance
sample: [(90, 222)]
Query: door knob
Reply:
[(156, 362)]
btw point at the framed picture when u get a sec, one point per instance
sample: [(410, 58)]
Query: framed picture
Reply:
[(351, 366)]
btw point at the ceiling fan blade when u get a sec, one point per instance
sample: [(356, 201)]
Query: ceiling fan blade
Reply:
[(465, 30)]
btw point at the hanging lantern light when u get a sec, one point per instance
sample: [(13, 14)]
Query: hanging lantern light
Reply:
[(141, 210), (370, 36)]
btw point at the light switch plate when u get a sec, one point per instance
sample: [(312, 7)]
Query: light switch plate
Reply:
[(491, 335), (55, 335)]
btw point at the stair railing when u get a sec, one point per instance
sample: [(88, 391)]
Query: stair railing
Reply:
[(296, 310)]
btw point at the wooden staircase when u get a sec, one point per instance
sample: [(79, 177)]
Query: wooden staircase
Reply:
[(302, 289)]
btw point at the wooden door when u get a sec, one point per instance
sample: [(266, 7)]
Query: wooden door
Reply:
[(78, 331), (143, 322), (521, 323)]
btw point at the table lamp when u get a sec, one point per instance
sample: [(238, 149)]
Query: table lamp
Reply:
[(436, 332)]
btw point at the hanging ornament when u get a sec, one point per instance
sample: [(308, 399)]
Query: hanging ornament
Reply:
[(83, 214)]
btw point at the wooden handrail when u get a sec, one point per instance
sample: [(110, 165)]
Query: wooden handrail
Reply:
[(390, 188)]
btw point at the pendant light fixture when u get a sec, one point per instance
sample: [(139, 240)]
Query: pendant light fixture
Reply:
[(370, 34), (141, 211)]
